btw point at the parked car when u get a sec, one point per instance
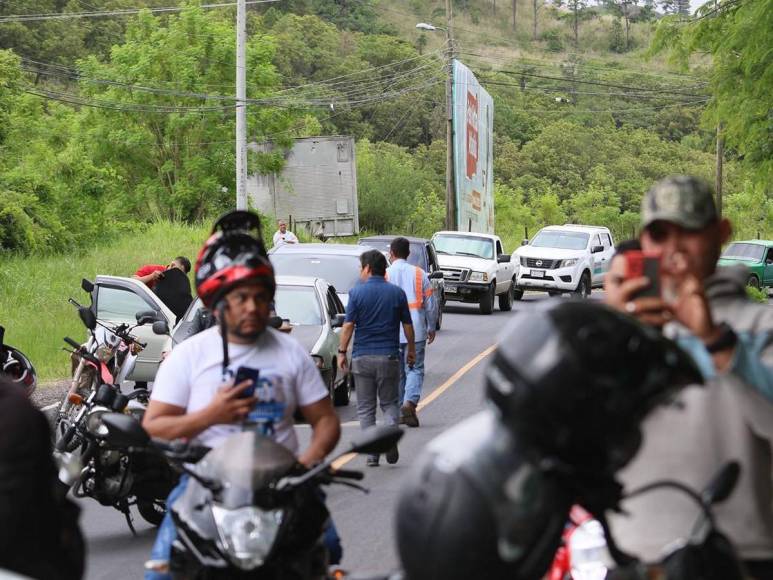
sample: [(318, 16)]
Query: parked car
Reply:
[(424, 256), (311, 305), (757, 255), (568, 258), (339, 264), (476, 269)]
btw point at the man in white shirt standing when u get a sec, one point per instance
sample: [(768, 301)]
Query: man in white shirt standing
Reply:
[(194, 395), (283, 235)]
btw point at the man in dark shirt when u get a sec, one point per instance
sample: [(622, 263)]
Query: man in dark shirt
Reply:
[(376, 309)]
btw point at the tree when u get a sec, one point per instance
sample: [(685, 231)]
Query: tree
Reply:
[(737, 36), (535, 4), (577, 6)]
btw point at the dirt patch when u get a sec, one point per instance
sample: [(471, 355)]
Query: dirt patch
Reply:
[(50, 392)]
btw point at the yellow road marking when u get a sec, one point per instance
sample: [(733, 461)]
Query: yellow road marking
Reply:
[(343, 460)]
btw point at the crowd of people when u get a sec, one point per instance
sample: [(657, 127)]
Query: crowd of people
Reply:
[(390, 321)]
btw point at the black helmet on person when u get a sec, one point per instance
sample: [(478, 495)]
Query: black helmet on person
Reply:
[(17, 367), (569, 385)]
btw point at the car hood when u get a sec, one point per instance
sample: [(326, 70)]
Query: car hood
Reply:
[(307, 335), (478, 264), (549, 253)]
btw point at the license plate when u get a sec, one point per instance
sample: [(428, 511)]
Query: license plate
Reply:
[(451, 288), (538, 273)]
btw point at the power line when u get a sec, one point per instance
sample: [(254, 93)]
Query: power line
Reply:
[(107, 13)]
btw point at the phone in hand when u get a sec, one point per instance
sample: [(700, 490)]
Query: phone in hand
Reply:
[(247, 373), (640, 263)]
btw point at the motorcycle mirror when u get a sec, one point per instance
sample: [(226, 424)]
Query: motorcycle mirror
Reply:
[(124, 431), (87, 317), (377, 440), (146, 317), (722, 484), (160, 327), (275, 322), (87, 286)]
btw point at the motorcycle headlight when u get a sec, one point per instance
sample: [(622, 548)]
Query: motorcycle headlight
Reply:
[(567, 263), (479, 277), (94, 424), (247, 533), (588, 554)]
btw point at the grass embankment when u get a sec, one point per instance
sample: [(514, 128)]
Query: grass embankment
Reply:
[(34, 289)]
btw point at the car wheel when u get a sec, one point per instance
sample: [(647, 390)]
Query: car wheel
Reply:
[(753, 281), (342, 392), (517, 292), (506, 300), (487, 300), (554, 293), (583, 286), (440, 316)]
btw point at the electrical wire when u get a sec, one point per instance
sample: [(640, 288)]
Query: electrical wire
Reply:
[(108, 13)]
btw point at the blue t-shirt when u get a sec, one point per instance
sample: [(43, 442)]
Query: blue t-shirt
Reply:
[(377, 309)]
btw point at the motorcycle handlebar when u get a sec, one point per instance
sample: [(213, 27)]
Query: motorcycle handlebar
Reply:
[(72, 343), (348, 474)]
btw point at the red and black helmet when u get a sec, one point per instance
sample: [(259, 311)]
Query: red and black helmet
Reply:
[(17, 367), (233, 254)]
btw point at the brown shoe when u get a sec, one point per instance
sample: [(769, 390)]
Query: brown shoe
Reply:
[(408, 414)]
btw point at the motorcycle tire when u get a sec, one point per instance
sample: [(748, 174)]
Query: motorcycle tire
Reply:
[(152, 511)]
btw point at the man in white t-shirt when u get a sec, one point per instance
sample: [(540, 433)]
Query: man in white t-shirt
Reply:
[(194, 395), (283, 235)]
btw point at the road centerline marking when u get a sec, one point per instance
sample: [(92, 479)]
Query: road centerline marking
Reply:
[(343, 460)]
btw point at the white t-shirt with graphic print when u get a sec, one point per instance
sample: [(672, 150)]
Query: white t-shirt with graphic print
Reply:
[(192, 374)]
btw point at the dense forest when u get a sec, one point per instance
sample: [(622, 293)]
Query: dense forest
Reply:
[(111, 117)]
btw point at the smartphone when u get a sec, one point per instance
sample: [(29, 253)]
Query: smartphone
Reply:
[(638, 264), (247, 373)]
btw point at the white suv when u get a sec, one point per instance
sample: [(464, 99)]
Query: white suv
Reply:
[(568, 258)]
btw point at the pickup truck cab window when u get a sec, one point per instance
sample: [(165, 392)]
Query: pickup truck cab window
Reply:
[(465, 246)]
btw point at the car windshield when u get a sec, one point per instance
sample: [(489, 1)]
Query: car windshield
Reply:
[(744, 252), (465, 246), (298, 304), (341, 271), (560, 239), (417, 257)]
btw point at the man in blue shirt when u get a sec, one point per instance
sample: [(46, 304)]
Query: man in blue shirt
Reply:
[(376, 309)]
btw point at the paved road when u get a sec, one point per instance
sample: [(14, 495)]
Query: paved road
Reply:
[(364, 521)]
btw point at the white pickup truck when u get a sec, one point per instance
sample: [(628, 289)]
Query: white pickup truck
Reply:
[(476, 269)]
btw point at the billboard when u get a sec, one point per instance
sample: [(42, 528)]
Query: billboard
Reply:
[(473, 124)]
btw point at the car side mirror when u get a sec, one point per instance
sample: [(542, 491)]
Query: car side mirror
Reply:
[(503, 258), (146, 317), (87, 286), (275, 322), (376, 440), (596, 249), (88, 318), (437, 275), (125, 431), (338, 320), (160, 327), (524, 242)]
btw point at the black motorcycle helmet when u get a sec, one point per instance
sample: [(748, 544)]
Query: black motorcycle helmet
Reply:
[(17, 367), (569, 384)]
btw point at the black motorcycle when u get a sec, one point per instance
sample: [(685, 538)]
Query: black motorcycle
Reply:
[(250, 510), (114, 475)]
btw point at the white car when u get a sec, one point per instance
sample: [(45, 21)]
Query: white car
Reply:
[(568, 258)]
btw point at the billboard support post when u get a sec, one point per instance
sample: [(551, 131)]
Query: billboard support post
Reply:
[(451, 222)]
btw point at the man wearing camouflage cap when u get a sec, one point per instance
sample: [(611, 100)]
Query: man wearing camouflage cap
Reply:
[(731, 416)]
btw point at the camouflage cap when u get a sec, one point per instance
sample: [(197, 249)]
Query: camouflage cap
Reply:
[(680, 199)]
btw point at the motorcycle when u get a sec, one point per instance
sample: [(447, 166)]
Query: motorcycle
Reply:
[(249, 510), (115, 476)]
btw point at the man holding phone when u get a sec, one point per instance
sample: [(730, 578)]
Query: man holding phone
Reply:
[(730, 418), (212, 382)]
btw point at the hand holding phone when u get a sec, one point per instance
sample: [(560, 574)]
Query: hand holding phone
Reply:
[(644, 264), (244, 374)]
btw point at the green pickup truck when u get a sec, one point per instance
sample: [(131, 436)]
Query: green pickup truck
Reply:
[(757, 255)]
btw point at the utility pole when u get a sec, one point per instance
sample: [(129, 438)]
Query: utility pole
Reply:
[(450, 190), (720, 157), (241, 105)]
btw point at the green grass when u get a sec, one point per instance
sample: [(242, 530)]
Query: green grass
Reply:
[(34, 289)]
